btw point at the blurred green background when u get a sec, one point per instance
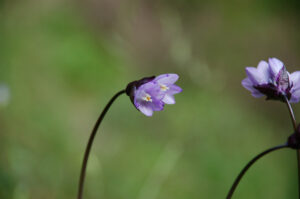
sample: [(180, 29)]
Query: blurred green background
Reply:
[(62, 60)]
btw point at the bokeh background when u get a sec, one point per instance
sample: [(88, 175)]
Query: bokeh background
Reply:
[(62, 60)]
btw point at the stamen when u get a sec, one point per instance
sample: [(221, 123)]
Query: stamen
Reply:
[(147, 98), (164, 87)]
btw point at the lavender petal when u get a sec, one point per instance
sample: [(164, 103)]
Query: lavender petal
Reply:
[(256, 76), (146, 110), (247, 83), (275, 66), (174, 89), (167, 78), (169, 99), (295, 91)]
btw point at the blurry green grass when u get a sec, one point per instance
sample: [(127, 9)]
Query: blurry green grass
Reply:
[(61, 75)]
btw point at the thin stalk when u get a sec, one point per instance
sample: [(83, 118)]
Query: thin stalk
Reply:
[(90, 143), (245, 169), (292, 115)]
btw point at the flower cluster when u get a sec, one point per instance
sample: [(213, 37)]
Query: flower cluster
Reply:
[(273, 80), (152, 93)]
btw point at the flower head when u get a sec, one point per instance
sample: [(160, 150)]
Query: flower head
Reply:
[(273, 80), (152, 93)]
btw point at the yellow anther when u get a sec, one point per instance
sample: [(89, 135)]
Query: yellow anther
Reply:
[(147, 98), (164, 87)]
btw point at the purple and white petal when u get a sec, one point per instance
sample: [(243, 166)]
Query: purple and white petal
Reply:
[(257, 77), (174, 89), (247, 83), (146, 110), (169, 99), (275, 66), (157, 105), (295, 80), (257, 94), (148, 104), (295, 91), (167, 79), (295, 98), (169, 92), (263, 68)]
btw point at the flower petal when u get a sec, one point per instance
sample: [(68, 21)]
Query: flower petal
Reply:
[(275, 66), (157, 105), (258, 75), (167, 79), (152, 88), (295, 98), (295, 79), (169, 99), (263, 67), (146, 110), (174, 89), (295, 91), (138, 94), (257, 94), (247, 83)]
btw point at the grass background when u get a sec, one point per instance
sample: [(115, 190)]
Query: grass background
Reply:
[(62, 60)]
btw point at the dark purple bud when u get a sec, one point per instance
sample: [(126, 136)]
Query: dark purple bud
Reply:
[(294, 139)]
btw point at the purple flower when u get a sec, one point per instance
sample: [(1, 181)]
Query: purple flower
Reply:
[(273, 80), (167, 87), (151, 94)]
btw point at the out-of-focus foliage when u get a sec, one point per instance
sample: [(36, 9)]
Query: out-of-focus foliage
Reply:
[(62, 60)]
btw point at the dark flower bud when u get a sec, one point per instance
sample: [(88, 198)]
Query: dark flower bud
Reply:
[(294, 139)]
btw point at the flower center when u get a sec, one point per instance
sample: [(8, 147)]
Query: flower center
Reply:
[(164, 87), (147, 98)]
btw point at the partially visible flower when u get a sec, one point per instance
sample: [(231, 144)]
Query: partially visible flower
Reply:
[(273, 80), (167, 86), (152, 93), (4, 95)]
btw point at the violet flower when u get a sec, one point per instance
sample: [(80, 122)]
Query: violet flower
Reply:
[(167, 87), (148, 95), (273, 80), (152, 93)]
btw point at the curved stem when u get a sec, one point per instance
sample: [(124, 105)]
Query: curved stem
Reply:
[(245, 169), (295, 129), (90, 143)]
